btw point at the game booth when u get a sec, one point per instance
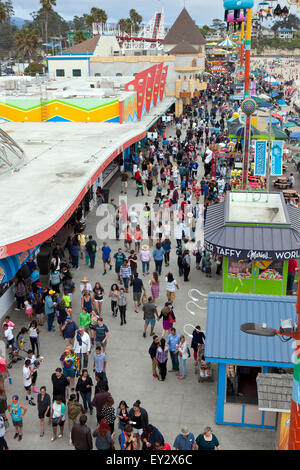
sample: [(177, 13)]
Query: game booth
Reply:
[(257, 234)]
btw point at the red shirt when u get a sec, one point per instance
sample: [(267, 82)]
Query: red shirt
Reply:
[(166, 446), (292, 265)]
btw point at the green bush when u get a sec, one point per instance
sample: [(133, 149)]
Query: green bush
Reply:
[(34, 68)]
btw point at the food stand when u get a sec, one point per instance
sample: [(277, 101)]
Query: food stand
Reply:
[(257, 234)]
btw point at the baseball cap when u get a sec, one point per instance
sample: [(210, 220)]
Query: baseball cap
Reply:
[(15, 397), (69, 317)]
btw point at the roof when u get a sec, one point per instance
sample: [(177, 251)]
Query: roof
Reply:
[(183, 48), (274, 392), (226, 342), (184, 29), (269, 242), (87, 46)]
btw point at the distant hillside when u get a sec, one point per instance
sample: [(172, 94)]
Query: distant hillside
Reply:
[(19, 22)]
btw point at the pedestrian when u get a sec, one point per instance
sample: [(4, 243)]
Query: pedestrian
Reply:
[(75, 251), (161, 445), (91, 248), (127, 239), (102, 334), (106, 253), (101, 394), (138, 287), (49, 309), (132, 259), (125, 274), (183, 355), (86, 301), (74, 410), (20, 293), (69, 329), (114, 295), (154, 283), (108, 412), (185, 440), (58, 417), (168, 318), (162, 358), (171, 286), (186, 262), (198, 339), (292, 269), (122, 305), (34, 337), (82, 347), (138, 419), (99, 361), (145, 257), (152, 352), (44, 408), (85, 286), (103, 435), (158, 256), (119, 260), (17, 411), (81, 436), (207, 440), (98, 297), (55, 279), (150, 312), (123, 415), (153, 435), (166, 245), (128, 441), (84, 387), (173, 342), (27, 381), (3, 443), (70, 365), (84, 320), (137, 238), (60, 385)]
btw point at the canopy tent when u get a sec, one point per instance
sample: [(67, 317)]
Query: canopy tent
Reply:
[(273, 121), (227, 43), (264, 97), (277, 116), (282, 103), (236, 130), (278, 134), (289, 124)]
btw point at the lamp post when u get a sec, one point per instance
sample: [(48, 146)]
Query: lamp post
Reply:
[(263, 330)]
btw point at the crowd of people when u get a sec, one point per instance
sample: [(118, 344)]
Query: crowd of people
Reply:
[(166, 172)]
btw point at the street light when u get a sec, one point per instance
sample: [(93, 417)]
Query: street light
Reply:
[(286, 333)]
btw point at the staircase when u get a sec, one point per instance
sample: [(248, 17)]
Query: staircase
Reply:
[(156, 25)]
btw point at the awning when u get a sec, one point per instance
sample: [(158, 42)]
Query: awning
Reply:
[(11, 265)]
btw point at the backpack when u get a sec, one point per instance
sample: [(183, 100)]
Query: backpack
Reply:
[(94, 246), (188, 351)]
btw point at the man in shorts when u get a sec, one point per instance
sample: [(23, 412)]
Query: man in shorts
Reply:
[(106, 251), (119, 260), (27, 380), (150, 312), (17, 410), (124, 182), (70, 364), (138, 286)]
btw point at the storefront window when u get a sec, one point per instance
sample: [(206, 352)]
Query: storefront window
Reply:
[(239, 269), (270, 270)]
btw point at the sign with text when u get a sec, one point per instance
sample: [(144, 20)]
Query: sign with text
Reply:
[(276, 158), (260, 153), (217, 68)]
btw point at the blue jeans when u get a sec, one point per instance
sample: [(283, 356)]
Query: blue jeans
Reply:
[(92, 259), (126, 282), (75, 261), (158, 265), (50, 321), (138, 191), (174, 359), (145, 265), (183, 366), (86, 398), (290, 281)]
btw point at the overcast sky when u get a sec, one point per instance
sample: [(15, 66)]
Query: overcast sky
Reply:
[(202, 11)]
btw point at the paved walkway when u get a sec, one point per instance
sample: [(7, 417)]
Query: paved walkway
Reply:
[(170, 404)]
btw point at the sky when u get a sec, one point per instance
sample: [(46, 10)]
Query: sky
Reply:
[(202, 11)]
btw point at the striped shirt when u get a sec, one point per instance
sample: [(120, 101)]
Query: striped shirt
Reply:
[(125, 272)]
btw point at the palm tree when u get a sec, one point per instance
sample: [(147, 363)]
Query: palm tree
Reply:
[(3, 13), (97, 15), (136, 19), (79, 36), (27, 42), (47, 7)]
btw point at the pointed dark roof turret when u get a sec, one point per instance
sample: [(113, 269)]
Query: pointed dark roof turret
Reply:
[(183, 48), (184, 29)]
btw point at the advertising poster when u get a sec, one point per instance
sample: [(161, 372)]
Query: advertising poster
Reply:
[(260, 153), (276, 158)]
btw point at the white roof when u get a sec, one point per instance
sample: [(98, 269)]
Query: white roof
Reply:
[(55, 172)]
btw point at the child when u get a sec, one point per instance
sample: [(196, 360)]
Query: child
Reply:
[(204, 367), (28, 307)]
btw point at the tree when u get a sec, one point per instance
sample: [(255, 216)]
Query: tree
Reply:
[(218, 25), (47, 7), (79, 36), (3, 13), (136, 19), (125, 25), (79, 23), (57, 26), (292, 21), (97, 15), (27, 42), (205, 30)]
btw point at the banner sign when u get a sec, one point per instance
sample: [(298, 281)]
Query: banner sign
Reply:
[(276, 158), (217, 68), (260, 153)]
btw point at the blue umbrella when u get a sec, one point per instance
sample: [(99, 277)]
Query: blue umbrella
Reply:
[(295, 135), (274, 120), (294, 121), (282, 103), (273, 95)]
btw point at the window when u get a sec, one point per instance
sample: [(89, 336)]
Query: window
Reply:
[(270, 270), (97, 74), (239, 269), (241, 384), (76, 72), (119, 74), (194, 63), (60, 72)]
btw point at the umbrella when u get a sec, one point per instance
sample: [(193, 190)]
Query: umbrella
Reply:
[(295, 135), (226, 43), (264, 97), (274, 121), (289, 124), (282, 103), (294, 121), (273, 95), (277, 116)]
